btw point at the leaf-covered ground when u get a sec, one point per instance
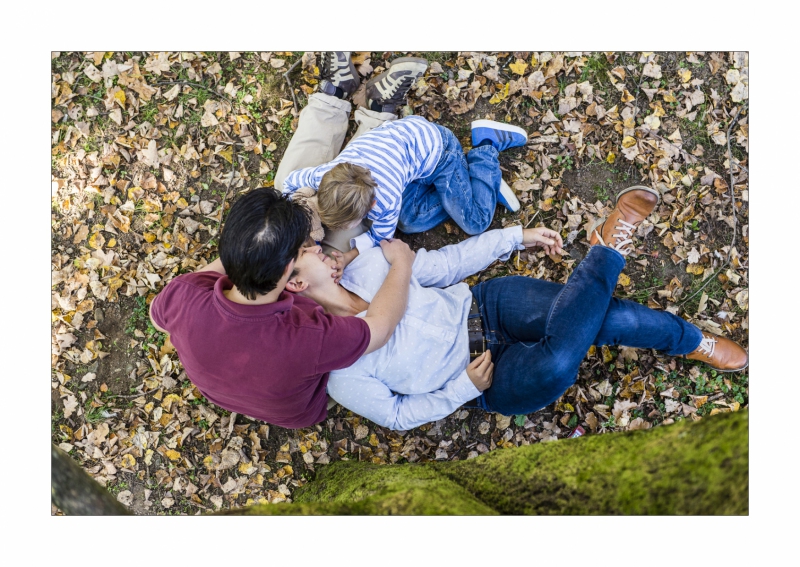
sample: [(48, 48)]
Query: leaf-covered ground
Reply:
[(150, 149)]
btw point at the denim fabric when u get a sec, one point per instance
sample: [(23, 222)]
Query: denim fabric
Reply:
[(461, 187), (538, 332)]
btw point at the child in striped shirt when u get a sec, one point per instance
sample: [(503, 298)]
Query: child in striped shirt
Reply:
[(409, 174)]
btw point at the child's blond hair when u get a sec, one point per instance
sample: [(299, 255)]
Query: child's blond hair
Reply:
[(345, 195)]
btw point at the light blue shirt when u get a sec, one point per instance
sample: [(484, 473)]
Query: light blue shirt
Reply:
[(420, 374)]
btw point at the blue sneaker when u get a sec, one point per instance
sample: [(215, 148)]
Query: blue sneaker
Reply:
[(502, 136), (507, 198)]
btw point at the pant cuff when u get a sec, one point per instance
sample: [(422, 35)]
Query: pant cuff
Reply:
[(328, 100)]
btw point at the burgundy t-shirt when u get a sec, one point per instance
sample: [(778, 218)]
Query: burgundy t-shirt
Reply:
[(270, 362)]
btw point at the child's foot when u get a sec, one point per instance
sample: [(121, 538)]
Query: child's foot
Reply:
[(720, 354), (387, 91), (634, 204), (501, 136), (507, 198), (338, 74)]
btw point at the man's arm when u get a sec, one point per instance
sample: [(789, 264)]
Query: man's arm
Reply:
[(389, 304), (369, 397), (453, 263)]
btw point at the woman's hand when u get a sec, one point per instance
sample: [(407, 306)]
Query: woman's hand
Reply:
[(543, 237)]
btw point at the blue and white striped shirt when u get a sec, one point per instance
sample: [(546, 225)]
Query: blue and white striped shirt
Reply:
[(396, 153)]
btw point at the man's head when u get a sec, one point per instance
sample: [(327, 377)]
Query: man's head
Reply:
[(345, 195), (261, 237), (312, 272)]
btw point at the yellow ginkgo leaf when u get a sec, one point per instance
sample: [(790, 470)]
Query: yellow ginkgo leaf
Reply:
[(120, 96), (173, 455), (623, 280), (519, 67), (628, 141), (611, 157)]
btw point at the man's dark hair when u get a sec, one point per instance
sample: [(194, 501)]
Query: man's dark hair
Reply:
[(263, 233)]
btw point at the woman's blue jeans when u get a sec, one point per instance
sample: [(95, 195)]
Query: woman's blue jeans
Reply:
[(461, 187), (539, 332)]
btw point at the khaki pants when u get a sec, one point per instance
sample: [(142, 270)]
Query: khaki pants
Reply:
[(318, 139)]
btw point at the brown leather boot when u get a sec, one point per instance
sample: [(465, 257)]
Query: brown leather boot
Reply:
[(720, 354), (634, 204)]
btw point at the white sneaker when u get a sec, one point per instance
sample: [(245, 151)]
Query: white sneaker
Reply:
[(507, 198)]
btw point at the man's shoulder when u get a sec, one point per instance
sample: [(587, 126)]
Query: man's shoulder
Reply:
[(193, 281)]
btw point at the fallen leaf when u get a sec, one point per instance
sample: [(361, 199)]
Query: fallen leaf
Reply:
[(519, 67)]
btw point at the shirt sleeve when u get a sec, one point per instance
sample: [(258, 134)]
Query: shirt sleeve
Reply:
[(167, 303), (384, 224), (371, 398), (344, 340), (453, 263), (298, 179)]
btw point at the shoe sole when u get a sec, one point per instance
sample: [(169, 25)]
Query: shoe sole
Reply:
[(499, 126), (417, 60), (510, 202), (640, 188), (719, 369), (400, 60)]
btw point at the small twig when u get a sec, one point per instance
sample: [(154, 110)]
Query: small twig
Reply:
[(136, 395), (733, 210), (289, 82), (533, 217)]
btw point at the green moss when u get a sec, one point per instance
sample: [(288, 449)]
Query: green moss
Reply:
[(400, 489), (688, 468)]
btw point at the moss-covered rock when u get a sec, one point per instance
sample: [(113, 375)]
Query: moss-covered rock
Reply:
[(687, 468)]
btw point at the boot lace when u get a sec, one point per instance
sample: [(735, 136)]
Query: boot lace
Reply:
[(622, 238), (707, 346)]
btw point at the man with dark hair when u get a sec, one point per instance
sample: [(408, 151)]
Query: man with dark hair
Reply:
[(253, 348)]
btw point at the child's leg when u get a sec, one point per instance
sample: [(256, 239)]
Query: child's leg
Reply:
[(461, 187), (319, 136)]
